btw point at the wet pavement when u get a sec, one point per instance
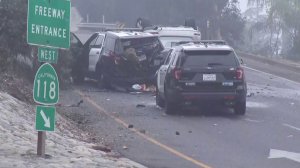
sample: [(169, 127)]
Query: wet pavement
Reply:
[(134, 126)]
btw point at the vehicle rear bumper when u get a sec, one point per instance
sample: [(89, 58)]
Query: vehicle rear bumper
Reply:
[(227, 98)]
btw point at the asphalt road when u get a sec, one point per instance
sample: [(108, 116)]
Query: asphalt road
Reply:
[(197, 137)]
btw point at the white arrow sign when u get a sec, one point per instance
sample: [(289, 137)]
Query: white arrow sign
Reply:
[(46, 120), (276, 154)]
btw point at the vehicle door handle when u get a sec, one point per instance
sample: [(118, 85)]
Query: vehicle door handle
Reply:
[(97, 52)]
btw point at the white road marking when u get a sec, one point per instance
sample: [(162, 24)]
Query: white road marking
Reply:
[(276, 154), (292, 127), (271, 74), (256, 105), (254, 121)]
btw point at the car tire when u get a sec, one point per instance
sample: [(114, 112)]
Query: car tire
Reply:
[(103, 80), (159, 100), (78, 77), (240, 108), (171, 108)]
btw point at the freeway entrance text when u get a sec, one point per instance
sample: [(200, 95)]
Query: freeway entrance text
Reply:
[(49, 23)]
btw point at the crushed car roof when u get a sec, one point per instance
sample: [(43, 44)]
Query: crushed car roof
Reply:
[(203, 46), (126, 34)]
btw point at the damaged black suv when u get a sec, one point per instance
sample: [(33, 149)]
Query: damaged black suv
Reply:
[(128, 58), (201, 73)]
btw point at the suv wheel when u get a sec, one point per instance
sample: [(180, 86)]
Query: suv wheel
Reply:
[(78, 77), (159, 100), (171, 108), (240, 108), (103, 80)]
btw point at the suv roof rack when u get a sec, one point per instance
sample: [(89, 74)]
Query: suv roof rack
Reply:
[(123, 29), (205, 42), (216, 42)]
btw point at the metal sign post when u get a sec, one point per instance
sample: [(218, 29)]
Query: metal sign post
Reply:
[(48, 25), (41, 145)]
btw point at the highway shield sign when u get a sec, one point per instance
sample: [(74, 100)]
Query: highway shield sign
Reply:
[(46, 85)]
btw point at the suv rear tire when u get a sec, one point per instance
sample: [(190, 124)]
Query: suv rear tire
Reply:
[(103, 79), (159, 100), (240, 108), (78, 77), (171, 108)]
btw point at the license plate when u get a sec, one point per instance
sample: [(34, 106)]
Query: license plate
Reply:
[(209, 77)]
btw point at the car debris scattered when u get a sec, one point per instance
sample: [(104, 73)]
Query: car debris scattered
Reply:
[(140, 106), (72, 105), (130, 126), (250, 94), (143, 131), (102, 148)]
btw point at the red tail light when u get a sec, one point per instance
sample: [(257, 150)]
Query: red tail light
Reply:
[(239, 73), (177, 73)]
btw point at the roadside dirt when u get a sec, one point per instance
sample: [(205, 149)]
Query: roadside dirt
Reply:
[(17, 86), (21, 88)]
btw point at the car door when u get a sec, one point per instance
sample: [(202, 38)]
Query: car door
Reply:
[(162, 72), (95, 51)]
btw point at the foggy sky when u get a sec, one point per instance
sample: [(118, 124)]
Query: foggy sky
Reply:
[(243, 5)]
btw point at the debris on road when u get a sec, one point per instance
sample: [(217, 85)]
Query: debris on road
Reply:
[(125, 147), (135, 93), (250, 94), (137, 87), (143, 131), (72, 105), (140, 106), (190, 131), (102, 148), (144, 88), (130, 126), (177, 133), (292, 103)]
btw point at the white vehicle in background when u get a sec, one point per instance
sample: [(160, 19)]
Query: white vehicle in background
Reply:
[(170, 36)]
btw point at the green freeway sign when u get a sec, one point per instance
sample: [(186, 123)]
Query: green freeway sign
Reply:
[(48, 23), (49, 55), (45, 118), (46, 85)]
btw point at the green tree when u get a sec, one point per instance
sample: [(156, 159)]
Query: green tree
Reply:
[(13, 23), (286, 13), (232, 23)]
